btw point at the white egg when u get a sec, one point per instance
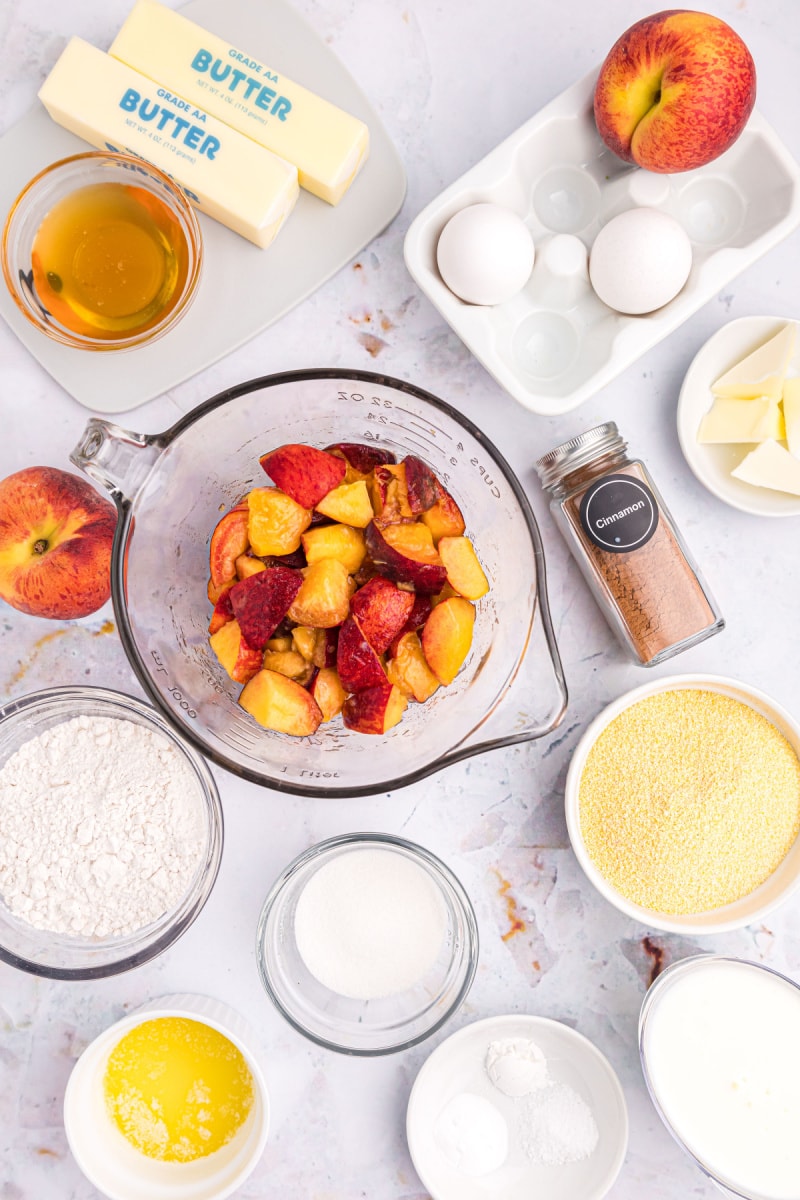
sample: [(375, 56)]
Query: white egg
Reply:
[(640, 260), (485, 254)]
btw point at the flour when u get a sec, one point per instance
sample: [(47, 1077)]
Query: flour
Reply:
[(101, 828)]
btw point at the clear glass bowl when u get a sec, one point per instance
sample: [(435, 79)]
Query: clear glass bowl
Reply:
[(37, 199), (365, 1027), (170, 490), (58, 956), (654, 993)]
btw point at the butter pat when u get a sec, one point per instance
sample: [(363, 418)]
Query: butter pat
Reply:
[(222, 172), (791, 414), (771, 466), (762, 373), (742, 421), (327, 145)]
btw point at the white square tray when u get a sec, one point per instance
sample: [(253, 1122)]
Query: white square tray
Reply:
[(243, 289), (555, 344)]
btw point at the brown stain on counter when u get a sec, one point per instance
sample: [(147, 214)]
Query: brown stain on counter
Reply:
[(515, 922), (656, 955), (41, 643)]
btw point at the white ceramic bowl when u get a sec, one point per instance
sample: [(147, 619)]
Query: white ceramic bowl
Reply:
[(457, 1065), (780, 885), (555, 343), (113, 1165), (713, 464)]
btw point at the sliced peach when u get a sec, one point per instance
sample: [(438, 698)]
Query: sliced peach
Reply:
[(288, 663), (276, 522), (261, 601), (324, 598), (280, 644), (406, 554), (327, 690), (326, 647), (214, 590), (374, 710), (464, 572), (239, 660), (390, 495), (444, 518), (348, 503), (229, 539), (304, 641), (303, 472), (357, 663), (280, 703), (335, 541), (381, 609), (361, 458), (246, 566), (223, 612), (419, 613), (409, 670), (447, 637), (421, 484)]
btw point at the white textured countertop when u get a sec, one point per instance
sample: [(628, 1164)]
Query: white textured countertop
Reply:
[(450, 81)]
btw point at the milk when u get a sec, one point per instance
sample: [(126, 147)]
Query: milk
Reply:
[(721, 1044)]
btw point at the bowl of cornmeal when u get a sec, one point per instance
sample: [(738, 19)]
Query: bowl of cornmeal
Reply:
[(683, 804)]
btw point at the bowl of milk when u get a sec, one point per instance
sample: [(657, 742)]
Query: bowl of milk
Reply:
[(719, 1039)]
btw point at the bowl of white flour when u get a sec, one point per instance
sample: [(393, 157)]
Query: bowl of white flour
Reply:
[(111, 833)]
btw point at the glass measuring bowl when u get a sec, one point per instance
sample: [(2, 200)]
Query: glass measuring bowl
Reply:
[(170, 490)]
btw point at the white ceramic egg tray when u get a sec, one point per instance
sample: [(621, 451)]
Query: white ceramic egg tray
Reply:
[(555, 344)]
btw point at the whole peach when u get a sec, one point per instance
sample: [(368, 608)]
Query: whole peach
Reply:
[(55, 544), (675, 91)]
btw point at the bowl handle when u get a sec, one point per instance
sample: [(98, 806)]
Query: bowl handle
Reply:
[(116, 458), (512, 718)]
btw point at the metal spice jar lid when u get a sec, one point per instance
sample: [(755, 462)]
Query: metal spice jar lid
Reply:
[(578, 451)]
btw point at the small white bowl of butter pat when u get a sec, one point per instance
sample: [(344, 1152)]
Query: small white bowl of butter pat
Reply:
[(122, 1170), (757, 358), (518, 1107)]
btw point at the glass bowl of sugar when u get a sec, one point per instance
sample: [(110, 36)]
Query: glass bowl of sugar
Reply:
[(111, 833), (367, 944)]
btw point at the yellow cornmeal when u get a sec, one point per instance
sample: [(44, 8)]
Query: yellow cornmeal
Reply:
[(177, 1089), (688, 801)]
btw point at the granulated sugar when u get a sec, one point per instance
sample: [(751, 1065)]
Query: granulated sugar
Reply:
[(369, 923), (689, 800), (101, 828)]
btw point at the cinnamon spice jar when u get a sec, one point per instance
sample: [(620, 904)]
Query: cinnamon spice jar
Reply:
[(625, 542)]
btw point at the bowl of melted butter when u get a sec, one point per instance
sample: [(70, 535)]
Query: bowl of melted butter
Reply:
[(169, 1103), (102, 251)]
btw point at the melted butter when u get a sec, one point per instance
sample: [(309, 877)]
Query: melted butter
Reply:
[(177, 1089)]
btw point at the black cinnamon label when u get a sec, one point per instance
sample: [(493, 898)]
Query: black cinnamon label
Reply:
[(619, 513)]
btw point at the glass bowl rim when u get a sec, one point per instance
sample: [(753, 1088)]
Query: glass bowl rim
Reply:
[(161, 441), (213, 819), (434, 867), (650, 999), (179, 202)]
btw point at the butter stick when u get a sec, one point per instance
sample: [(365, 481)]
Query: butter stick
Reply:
[(223, 173), (326, 144)]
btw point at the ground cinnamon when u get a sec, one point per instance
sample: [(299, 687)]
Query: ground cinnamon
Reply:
[(625, 542)]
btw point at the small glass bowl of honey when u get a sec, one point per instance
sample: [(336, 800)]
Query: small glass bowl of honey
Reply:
[(102, 251)]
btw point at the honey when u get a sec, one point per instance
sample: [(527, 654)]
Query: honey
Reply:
[(177, 1089), (110, 259)]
